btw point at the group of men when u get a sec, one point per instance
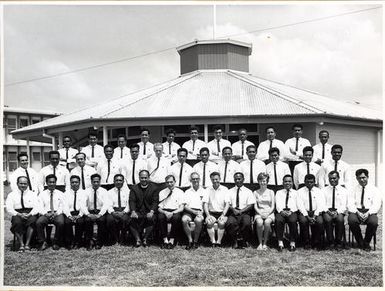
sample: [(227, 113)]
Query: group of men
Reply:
[(134, 189)]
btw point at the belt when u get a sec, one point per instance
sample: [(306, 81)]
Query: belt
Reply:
[(120, 209), (74, 213), (24, 210), (95, 211)]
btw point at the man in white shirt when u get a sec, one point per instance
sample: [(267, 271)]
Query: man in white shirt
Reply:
[(158, 167), (205, 167), (295, 146), (363, 206), (108, 167), (83, 171), (239, 147), (311, 204), (193, 211), (122, 151), (118, 220), (217, 144), (242, 202), (67, 154), (322, 150), (228, 167), (336, 202), (286, 202), (61, 173), (270, 142), (170, 147), (23, 205), (93, 151), (97, 204), (145, 146), (216, 204), (24, 171), (305, 168), (181, 170), (193, 146), (276, 170), (251, 168), (51, 209), (131, 167), (171, 205)]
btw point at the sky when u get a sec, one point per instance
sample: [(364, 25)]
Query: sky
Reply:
[(339, 57)]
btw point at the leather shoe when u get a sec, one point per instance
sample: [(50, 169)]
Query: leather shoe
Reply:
[(292, 249), (138, 244), (189, 246), (195, 245), (144, 243), (98, 247), (170, 246), (280, 249), (43, 247), (235, 245), (55, 247)]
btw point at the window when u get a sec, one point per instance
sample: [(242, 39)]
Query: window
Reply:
[(12, 161), (35, 120), (46, 159), (24, 122), (11, 124), (4, 161), (36, 156)]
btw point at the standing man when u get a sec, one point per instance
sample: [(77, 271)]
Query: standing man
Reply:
[(170, 147), (93, 151), (322, 150), (305, 168), (270, 142), (193, 211), (181, 170), (171, 205), (67, 154), (251, 168), (311, 204), (364, 204), (108, 167), (286, 201), (23, 205), (239, 147), (122, 151), (276, 170), (143, 201), (158, 167), (131, 167), (193, 146), (228, 167), (205, 167), (242, 201), (97, 204), (146, 147), (61, 173), (216, 204), (51, 209), (295, 146), (217, 144), (24, 171), (83, 171), (336, 202)]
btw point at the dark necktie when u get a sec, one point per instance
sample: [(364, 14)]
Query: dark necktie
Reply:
[(22, 200), (323, 151), (133, 172), (204, 174), (237, 199), (29, 181), (275, 174), (119, 200), (180, 174), (335, 165), (251, 172), (287, 198), (108, 169), (296, 144), (68, 165), (92, 151), (83, 182), (219, 147), (157, 165), (362, 197), (54, 171), (193, 145), (243, 148), (144, 149), (224, 178), (75, 200), (95, 200), (169, 148), (310, 201), (308, 168), (271, 144), (121, 153), (51, 202), (334, 198)]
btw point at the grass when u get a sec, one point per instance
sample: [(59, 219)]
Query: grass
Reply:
[(122, 266)]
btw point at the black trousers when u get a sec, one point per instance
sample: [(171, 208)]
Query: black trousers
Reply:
[(176, 223), (69, 237), (316, 228), (19, 225), (371, 227), (291, 220), (117, 223), (137, 225), (339, 226), (102, 228), (239, 225), (43, 221)]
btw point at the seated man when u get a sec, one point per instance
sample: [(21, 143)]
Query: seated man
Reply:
[(143, 200), (311, 204), (336, 199), (23, 205), (170, 210), (216, 204), (193, 210), (364, 204), (242, 202), (119, 219), (286, 201), (97, 203), (51, 210)]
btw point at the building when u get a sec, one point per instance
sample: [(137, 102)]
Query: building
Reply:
[(18, 118), (215, 87)]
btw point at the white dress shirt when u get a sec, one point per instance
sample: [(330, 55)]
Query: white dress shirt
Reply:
[(341, 198), (237, 148), (193, 148), (122, 153), (318, 152), (170, 152), (30, 200), (300, 171), (88, 171), (128, 166), (210, 168), (149, 150), (45, 201), (194, 199), (71, 155), (158, 172), (173, 201), (215, 156), (217, 199), (258, 167), (246, 197), (343, 170), (263, 149), (186, 172), (98, 154), (318, 200), (280, 200), (69, 199), (372, 199), (102, 170), (290, 144), (113, 197), (232, 168), (61, 173), (102, 200), (33, 177), (282, 169)]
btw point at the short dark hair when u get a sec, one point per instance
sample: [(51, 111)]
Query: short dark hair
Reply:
[(334, 172), (194, 128), (269, 128), (108, 146), (21, 155), (204, 149), (308, 149), (67, 136), (96, 175), (237, 173), (118, 175), (214, 174), (81, 153), (134, 145), (141, 171), (50, 176), (122, 135), (170, 130), (144, 129), (74, 177), (53, 153), (170, 176), (309, 176), (92, 133), (297, 125), (182, 150), (18, 178), (217, 127), (250, 147), (362, 171), (274, 150), (287, 176), (227, 148), (337, 146), (323, 131)]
